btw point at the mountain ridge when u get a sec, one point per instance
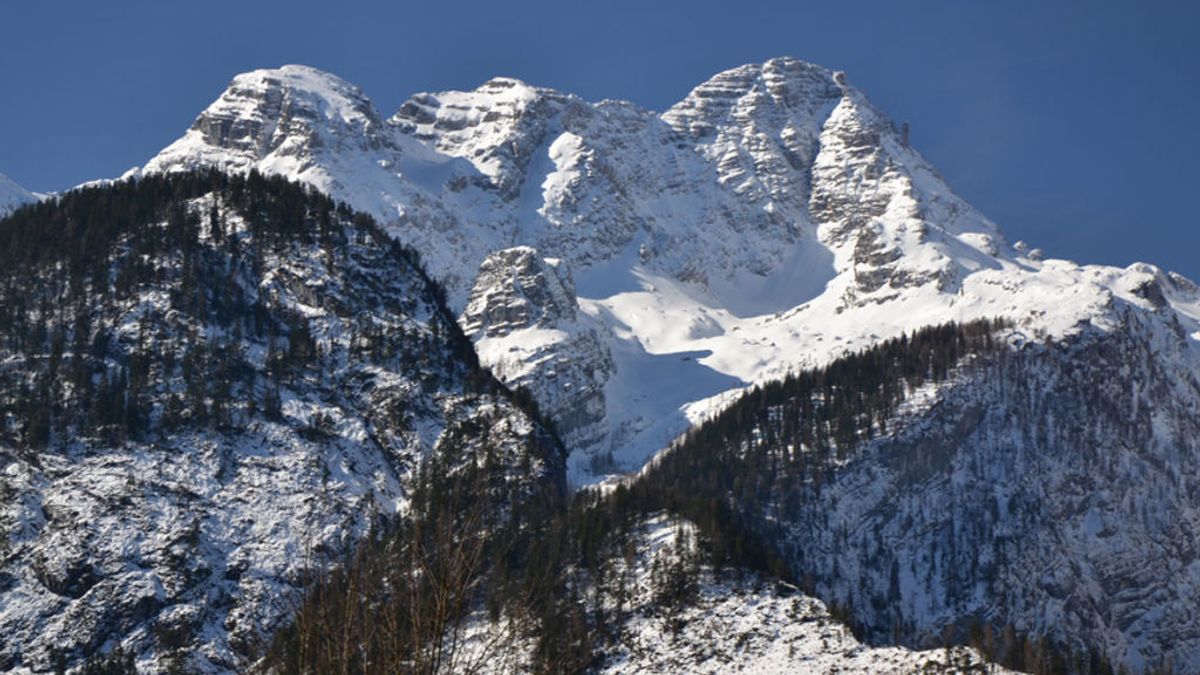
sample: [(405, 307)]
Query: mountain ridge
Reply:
[(771, 220), (254, 392)]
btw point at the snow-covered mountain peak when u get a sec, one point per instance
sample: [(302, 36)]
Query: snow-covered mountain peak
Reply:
[(773, 219), (281, 117), (786, 84), (446, 110), (13, 196), (496, 126), (303, 92)]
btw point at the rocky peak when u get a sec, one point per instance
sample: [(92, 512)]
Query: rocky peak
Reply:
[(759, 126), (515, 289), (498, 126), (786, 84), (289, 112)]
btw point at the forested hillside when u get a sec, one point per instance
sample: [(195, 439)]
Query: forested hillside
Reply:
[(569, 593), (211, 388)]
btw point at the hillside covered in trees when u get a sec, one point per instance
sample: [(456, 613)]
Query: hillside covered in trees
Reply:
[(211, 387), (561, 598)]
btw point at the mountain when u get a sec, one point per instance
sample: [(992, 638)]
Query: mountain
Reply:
[(771, 220), (13, 196), (638, 273), (213, 387)]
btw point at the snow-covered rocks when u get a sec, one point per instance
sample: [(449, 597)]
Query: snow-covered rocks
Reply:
[(523, 316), (516, 289)]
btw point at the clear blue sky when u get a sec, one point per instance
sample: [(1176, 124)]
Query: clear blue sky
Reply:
[(1072, 124)]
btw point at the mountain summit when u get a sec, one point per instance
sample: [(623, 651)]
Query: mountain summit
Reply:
[(772, 219)]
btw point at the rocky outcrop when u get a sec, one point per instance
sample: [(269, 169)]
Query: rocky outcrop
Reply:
[(516, 289), (523, 317)]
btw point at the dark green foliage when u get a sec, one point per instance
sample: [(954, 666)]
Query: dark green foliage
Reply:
[(116, 662)]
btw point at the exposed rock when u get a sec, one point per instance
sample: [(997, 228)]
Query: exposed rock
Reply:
[(516, 289), (522, 315)]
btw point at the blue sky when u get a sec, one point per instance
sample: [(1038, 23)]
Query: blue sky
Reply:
[(1072, 124)]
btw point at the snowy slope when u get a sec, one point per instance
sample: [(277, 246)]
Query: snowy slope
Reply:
[(13, 196), (749, 625), (772, 219), (1049, 489)]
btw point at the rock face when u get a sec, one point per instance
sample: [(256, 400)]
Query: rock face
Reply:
[(516, 289), (262, 390), (523, 316)]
